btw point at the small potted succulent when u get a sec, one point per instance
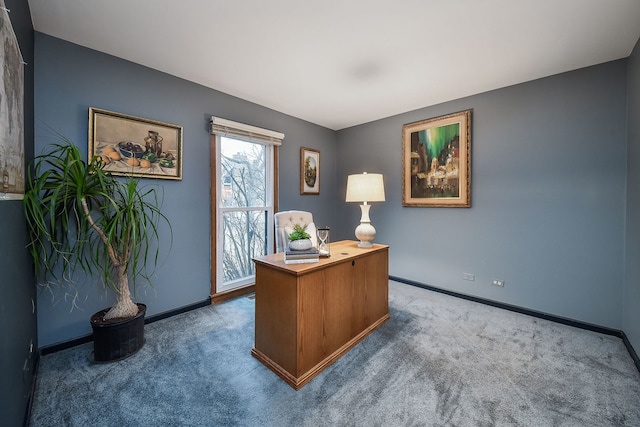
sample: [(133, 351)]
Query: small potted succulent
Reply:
[(299, 239)]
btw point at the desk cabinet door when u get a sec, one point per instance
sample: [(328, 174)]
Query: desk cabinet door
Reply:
[(370, 290), (325, 313), (339, 303), (275, 324)]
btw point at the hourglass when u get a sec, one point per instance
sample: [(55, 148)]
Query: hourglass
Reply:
[(323, 245)]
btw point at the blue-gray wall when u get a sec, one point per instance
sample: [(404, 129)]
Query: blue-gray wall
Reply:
[(69, 79), (547, 193), (549, 161), (631, 295), (16, 285)]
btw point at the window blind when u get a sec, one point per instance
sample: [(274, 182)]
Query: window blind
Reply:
[(231, 129)]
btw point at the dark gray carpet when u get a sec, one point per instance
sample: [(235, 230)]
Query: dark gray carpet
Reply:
[(439, 361)]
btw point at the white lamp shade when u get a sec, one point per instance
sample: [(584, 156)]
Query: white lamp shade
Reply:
[(365, 187)]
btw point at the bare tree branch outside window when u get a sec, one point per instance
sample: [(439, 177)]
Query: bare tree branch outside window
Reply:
[(244, 187)]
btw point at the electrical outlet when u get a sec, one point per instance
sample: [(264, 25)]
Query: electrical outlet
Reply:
[(469, 276), (497, 282)]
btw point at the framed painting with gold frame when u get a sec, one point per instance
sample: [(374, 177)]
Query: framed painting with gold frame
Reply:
[(309, 171), (135, 146), (436, 162)]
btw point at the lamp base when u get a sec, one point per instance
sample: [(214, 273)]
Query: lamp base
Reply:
[(365, 232)]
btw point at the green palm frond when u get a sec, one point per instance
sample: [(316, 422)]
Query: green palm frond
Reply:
[(81, 217), (299, 232)]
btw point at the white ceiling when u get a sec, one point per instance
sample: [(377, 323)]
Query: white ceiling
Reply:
[(339, 63)]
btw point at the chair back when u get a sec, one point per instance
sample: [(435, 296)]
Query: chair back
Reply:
[(284, 222)]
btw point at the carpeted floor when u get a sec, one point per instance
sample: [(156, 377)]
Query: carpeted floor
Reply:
[(439, 361)]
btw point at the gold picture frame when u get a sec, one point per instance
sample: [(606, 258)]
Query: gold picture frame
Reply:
[(309, 171), (436, 162), (134, 146)]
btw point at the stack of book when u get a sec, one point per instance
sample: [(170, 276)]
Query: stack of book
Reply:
[(301, 257)]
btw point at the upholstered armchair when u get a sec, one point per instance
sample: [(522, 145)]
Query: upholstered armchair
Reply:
[(284, 222)]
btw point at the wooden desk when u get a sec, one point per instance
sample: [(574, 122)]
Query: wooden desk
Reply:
[(308, 315)]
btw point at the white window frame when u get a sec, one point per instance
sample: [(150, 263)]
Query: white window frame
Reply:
[(270, 139), (221, 210)]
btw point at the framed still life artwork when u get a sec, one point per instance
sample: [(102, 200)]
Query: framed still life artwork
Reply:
[(436, 162), (309, 171), (134, 146)]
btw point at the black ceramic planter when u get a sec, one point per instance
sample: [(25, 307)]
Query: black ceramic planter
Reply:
[(119, 339)]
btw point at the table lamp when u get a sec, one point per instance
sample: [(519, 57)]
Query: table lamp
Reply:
[(365, 188)]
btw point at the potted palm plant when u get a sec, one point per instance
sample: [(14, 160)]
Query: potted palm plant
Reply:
[(80, 217)]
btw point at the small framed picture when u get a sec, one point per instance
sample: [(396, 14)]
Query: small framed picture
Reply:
[(309, 171), (135, 146)]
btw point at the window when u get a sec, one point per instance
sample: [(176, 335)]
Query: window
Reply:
[(244, 185)]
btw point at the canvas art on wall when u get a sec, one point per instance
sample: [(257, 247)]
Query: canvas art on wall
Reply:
[(135, 146), (11, 112), (436, 161)]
